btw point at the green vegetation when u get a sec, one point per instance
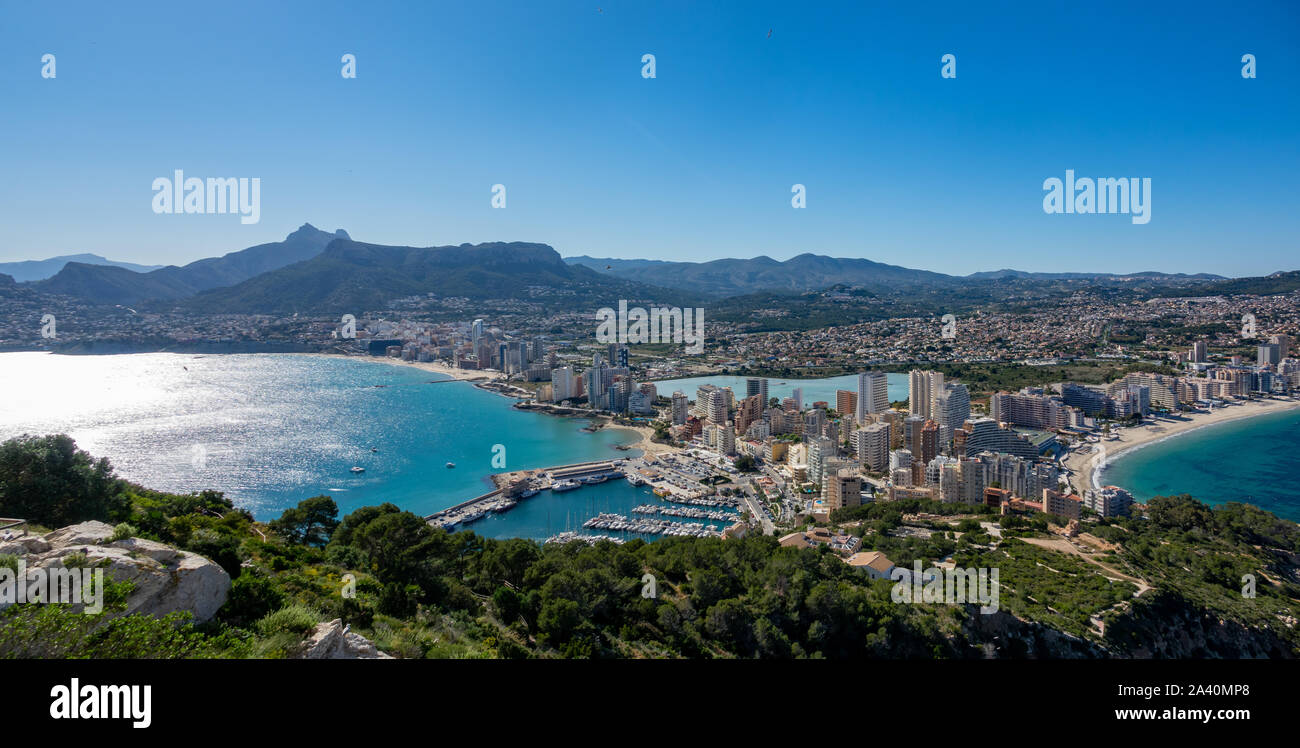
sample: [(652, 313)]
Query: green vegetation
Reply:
[(417, 591), (1208, 557), (1270, 285), (48, 481), (1048, 587)]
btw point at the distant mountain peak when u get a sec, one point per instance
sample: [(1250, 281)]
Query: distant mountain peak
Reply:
[(307, 230), (105, 284)]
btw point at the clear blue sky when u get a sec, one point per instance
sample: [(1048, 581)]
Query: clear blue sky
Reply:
[(547, 98)]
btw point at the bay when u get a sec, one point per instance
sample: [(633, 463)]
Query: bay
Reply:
[(1250, 460), (272, 429)]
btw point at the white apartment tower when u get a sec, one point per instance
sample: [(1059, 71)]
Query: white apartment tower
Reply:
[(681, 408), (873, 394)]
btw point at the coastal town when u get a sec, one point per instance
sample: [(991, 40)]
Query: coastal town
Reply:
[(746, 461), (1018, 410)]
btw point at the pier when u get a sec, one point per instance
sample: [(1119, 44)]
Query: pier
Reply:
[(682, 499), (469, 511)]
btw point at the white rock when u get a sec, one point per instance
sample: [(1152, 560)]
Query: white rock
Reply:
[(83, 534), (25, 545), (166, 580), (328, 642), (160, 552)]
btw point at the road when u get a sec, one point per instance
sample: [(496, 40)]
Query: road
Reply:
[(752, 504)]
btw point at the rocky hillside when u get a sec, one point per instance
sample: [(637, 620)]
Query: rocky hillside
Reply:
[(163, 579)]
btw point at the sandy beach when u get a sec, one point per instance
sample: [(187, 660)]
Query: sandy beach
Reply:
[(646, 433), (435, 367), (1084, 460), (645, 445)]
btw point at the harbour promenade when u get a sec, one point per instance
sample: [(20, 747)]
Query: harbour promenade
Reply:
[(682, 494), (519, 485)]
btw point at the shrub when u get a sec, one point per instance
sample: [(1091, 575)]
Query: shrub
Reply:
[(291, 619), (123, 531), (251, 598)]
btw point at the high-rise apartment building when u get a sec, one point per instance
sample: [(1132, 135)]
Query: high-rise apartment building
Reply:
[(1269, 354), (873, 394), (1200, 352), (617, 355), (819, 450), (846, 403), (871, 444), (843, 489), (921, 389), (748, 411), (951, 408), (562, 380), (986, 435), (1283, 343), (681, 408), (715, 407)]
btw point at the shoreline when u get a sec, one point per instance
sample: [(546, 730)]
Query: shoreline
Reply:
[(481, 377), (460, 375), (1086, 467)]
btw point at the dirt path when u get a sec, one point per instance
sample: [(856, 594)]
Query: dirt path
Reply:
[(1062, 545)]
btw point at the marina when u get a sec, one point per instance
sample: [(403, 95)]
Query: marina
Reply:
[(568, 537), (714, 501), (621, 523), (548, 504), (692, 513)]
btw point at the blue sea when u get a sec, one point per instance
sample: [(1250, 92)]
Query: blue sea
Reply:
[(270, 430), (1251, 460)]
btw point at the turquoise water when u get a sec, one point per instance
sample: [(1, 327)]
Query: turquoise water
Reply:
[(271, 430), (1252, 460), (813, 389)]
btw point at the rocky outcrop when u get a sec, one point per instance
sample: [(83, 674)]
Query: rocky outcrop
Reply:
[(330, 641), (1003, 635), (1167, 625), (166, 579)]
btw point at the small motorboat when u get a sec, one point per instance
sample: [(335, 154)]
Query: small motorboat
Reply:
[(451, 464), (358, 470)]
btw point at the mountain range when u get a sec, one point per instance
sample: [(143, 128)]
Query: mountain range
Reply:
[(319, 271), (809, 272), (116, 285), (34, 270), (350, 275)]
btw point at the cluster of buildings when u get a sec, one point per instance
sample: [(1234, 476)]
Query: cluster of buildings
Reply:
[(607, 385), (1078, 406), (864, 448), (1084, 323)]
